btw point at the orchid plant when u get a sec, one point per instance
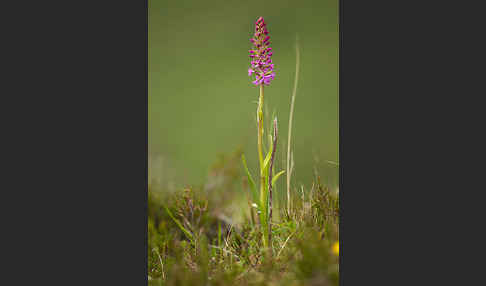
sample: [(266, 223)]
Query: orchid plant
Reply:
[(262, 68)]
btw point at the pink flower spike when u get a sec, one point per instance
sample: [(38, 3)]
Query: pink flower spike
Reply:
[(261, 64)]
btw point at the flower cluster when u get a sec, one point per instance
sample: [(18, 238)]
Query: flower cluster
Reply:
[(261, 63)]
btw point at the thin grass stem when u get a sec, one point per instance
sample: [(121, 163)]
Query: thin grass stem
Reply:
[(297, 64)]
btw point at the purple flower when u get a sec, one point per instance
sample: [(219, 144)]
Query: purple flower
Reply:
[(261, 64)]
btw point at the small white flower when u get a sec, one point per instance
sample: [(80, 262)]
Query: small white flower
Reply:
[(254, 205)]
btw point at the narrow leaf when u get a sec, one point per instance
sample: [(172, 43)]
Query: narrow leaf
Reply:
[(184, 230), (274, 179), (267, 160), (250, 181)]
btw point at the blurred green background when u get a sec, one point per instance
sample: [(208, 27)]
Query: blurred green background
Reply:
[(202, 102)]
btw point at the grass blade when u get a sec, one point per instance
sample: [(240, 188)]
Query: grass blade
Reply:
[(184, 230)]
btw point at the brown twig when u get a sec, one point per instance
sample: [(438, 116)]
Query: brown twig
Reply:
[(270, 182)]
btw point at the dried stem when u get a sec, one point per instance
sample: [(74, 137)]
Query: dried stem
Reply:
[(289, 173), (270, 171)]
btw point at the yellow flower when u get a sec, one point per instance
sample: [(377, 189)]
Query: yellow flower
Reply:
[(335, 248)]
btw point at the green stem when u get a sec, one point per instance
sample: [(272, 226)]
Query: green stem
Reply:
[(263, 195), (260, 126)]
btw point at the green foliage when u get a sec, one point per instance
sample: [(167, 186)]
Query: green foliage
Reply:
[(251, 183), (186, 232), (274, 179), (220, 253)]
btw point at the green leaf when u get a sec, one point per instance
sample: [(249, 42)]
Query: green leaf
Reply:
[(250, 181), (274, 179), (266, 162), (184, 230)]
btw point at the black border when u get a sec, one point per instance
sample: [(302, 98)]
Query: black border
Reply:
[(77, 112)]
